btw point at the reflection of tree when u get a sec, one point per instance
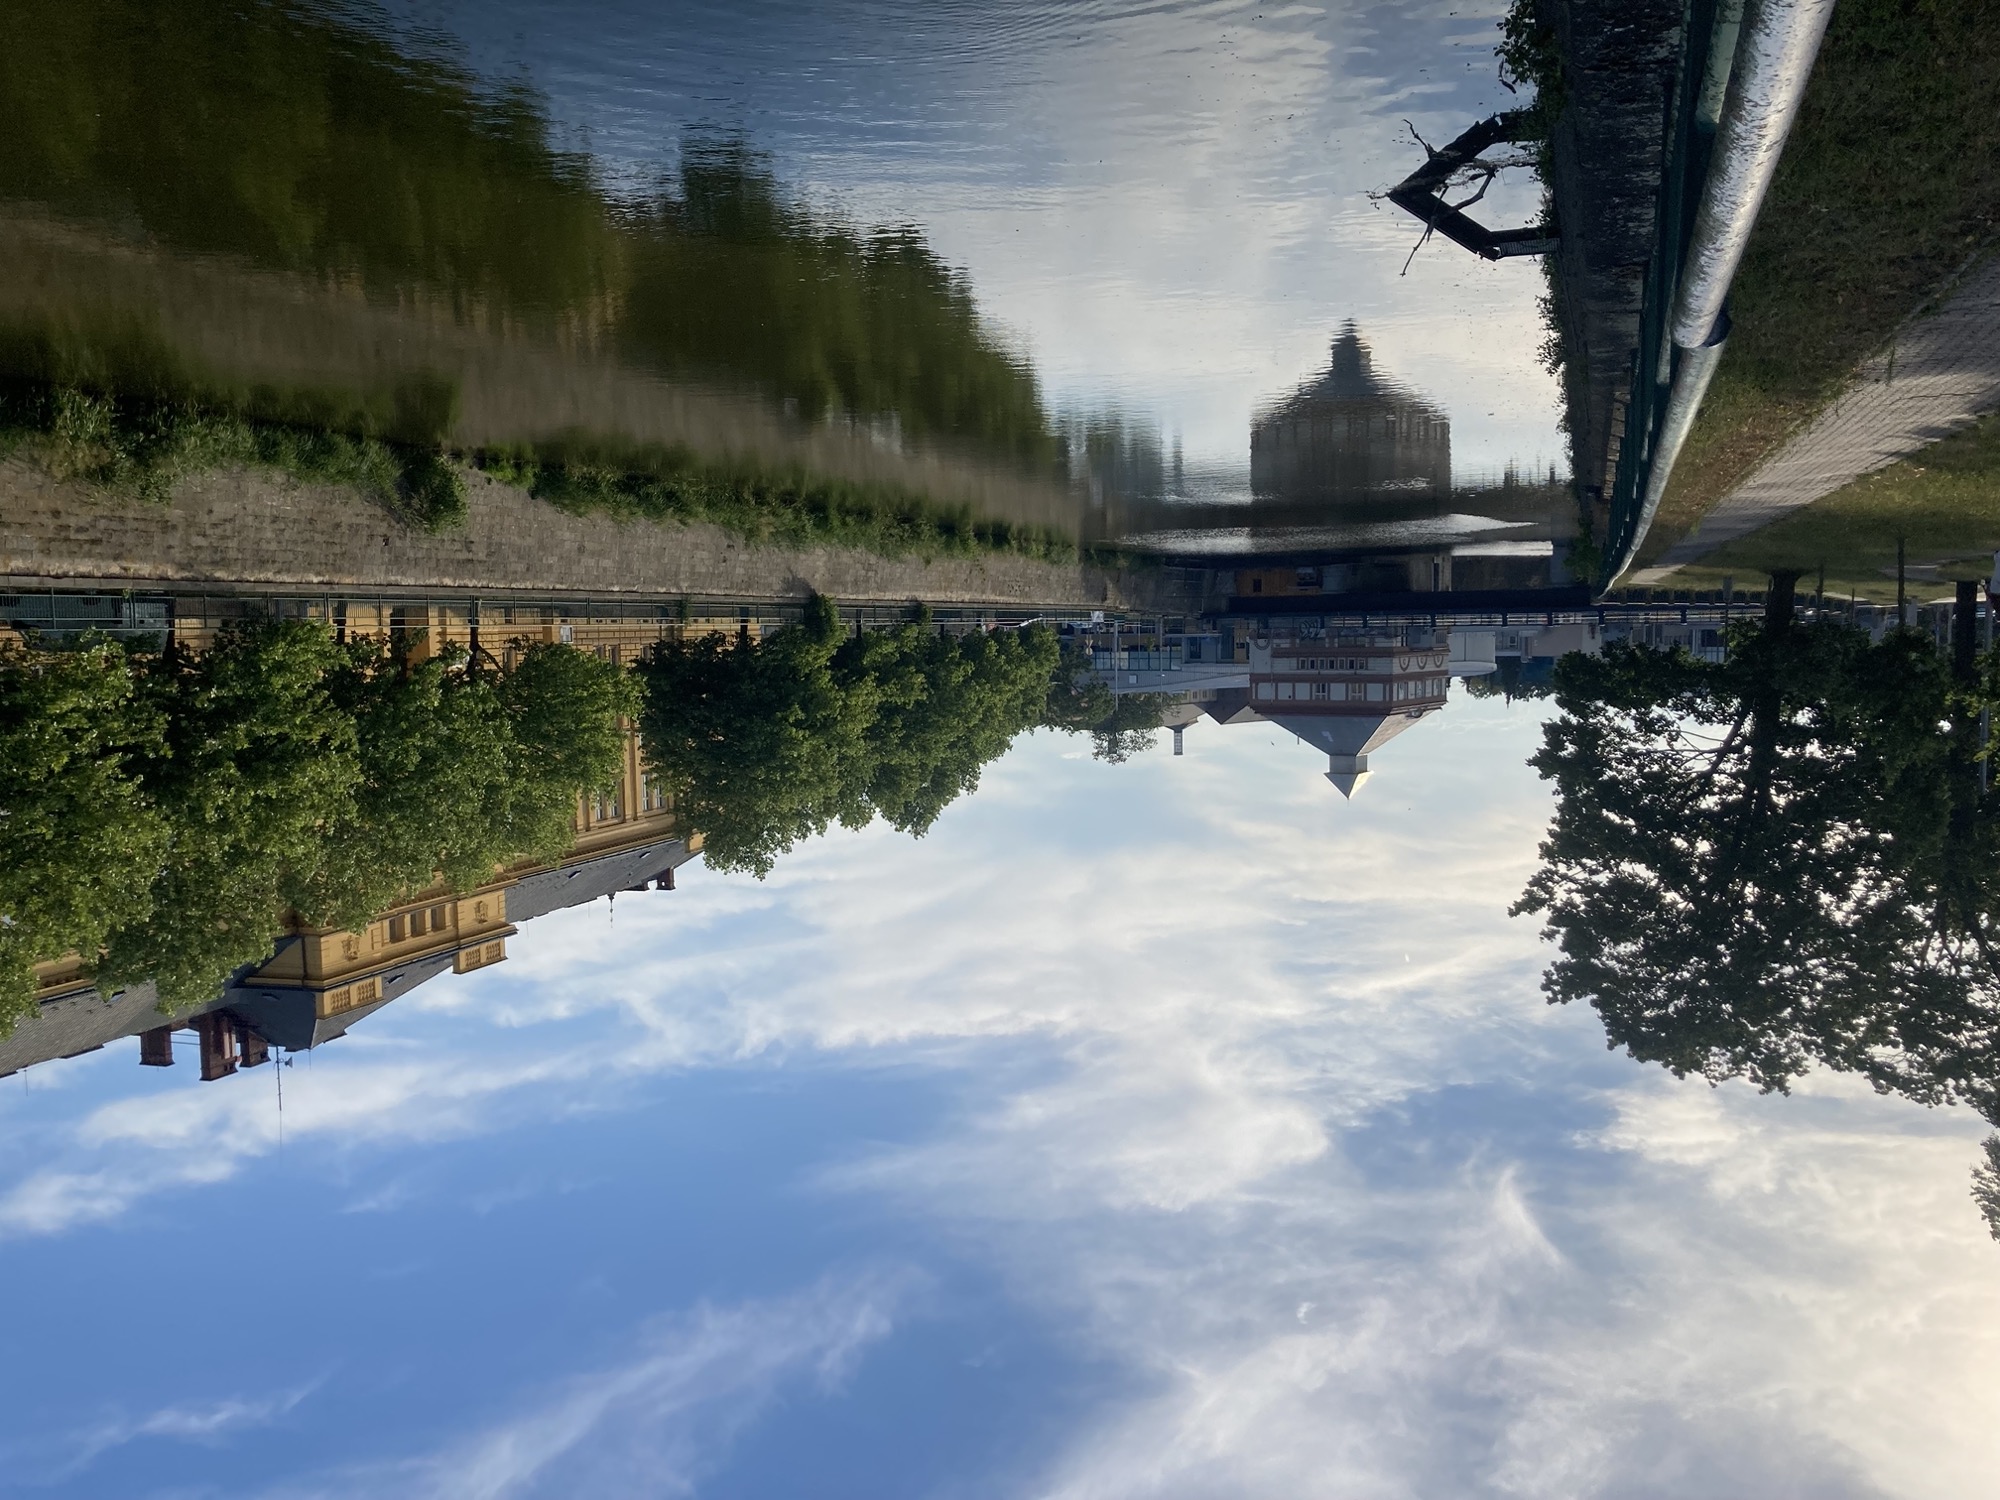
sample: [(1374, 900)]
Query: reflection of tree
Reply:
[(160, 814), (303, 139), (766, 742), (726, 275), (1120, 725), (299, 140), (1511, 679), (1779, 859)]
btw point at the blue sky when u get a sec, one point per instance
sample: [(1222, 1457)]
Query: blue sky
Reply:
[(1175, 1129)]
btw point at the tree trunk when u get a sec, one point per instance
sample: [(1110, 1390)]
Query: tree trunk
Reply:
[(1780, 601), (1964, 618)]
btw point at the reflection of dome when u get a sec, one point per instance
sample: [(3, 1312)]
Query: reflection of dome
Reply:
[(1350, 434), (1352, 373)]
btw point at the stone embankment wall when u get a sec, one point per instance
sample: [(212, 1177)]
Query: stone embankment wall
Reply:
[(235, 529)]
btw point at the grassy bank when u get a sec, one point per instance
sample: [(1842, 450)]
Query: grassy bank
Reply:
[(144, 446), (783, 507), (1944, 507), (1890, 183)]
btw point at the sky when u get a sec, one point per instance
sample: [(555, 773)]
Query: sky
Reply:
[(1164, 206), (1174, 1129)]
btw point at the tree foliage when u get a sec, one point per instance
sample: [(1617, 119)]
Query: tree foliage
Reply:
[(1120, 726), (161, 814), (79, 842), (1784, 859), (766, 742), (1778, 860), (258, 760)]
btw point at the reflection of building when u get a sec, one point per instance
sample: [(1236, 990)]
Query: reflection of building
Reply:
[(1345, 691), (1351, 435)]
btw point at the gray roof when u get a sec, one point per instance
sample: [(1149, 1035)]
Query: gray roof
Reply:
[(284, 1016), (83, 1022), (287, 1017), (589, 879), (1347, 734)]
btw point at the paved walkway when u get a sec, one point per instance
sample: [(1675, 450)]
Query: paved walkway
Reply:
[(1941, 372)]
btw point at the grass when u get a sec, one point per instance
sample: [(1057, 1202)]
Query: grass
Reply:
[(782, 507), (145, 446), (1944, 506), (1889, 186)]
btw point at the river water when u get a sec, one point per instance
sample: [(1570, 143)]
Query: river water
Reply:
[(1183, 1113)]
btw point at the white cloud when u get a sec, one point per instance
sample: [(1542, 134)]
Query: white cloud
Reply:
[(659, 1422), (207, 1423), (1199, 1093)]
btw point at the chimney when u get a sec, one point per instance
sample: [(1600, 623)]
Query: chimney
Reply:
[(1177, 739), (255, 1049), (218, 1045), (156, 1047)]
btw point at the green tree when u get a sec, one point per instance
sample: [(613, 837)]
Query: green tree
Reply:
[(161, 814), (758, 743), (258, 763), (946, 706), (764, 743), (1078, 701), (1780, 860), (461, 771), (79, 841)]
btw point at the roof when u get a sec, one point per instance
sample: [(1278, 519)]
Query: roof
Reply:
[(586, 880), (1349, 378), (85, 1020), (1347, 734)]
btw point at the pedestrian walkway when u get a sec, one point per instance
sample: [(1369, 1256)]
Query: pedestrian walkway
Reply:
[(1940, 373)]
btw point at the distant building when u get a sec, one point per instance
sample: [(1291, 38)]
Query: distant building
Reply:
[(1351, 435)]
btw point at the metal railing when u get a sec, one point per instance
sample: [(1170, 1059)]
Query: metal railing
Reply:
[(1743, 73)]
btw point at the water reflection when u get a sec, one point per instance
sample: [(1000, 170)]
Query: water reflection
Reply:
[(1351, 436), (637, 577)]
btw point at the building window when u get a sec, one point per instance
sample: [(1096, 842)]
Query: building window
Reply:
[(399, 929), (437, 919), (1267, 690), (418, 924)]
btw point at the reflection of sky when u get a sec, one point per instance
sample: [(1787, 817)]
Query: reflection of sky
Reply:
[(1176, 1129), (1166, 204)]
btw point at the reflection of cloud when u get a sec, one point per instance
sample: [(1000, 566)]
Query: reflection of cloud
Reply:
[(657, 1423), (1166, 204)]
